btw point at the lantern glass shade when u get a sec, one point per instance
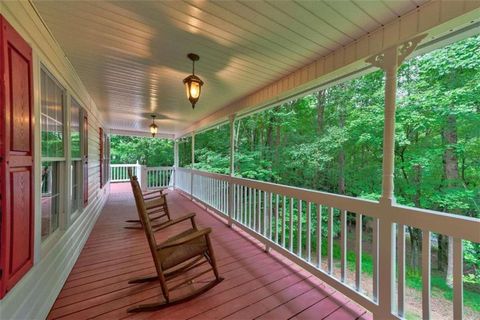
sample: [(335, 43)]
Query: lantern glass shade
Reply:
[(153, 129), (193, 87)]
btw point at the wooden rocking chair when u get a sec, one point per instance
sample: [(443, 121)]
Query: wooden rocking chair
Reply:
[(155, 203), (175, 256)]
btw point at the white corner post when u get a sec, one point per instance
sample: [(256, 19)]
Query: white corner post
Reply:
[(141, 176), (232, 170), (144, 171), (175, 162), (193, 165), (389, 61)]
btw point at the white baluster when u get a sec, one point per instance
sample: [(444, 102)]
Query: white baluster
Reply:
[(401, 269), (358, 251), (457, 279), (343, 245), (426, 267), (330, 240), (309, 232)]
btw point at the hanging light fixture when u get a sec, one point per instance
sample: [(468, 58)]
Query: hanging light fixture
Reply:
[(153, 126), (193, 84)]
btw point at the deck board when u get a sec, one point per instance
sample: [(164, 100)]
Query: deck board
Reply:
[(257, 285)]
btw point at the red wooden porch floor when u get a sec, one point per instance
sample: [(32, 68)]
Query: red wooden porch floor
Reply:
[(257, 285)]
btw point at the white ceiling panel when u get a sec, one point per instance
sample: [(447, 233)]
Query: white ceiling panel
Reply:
[(131, 55)]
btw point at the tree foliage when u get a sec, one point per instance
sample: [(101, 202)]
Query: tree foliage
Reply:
[(331, 140), (148, 151)]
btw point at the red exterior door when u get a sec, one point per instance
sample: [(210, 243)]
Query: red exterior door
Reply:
[(85, 156), (16, 157)]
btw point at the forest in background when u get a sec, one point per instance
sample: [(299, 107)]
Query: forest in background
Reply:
[(147, 151), (331, 140)]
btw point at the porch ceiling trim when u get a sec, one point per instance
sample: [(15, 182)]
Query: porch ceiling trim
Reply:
[(141, 134), (436, 18)]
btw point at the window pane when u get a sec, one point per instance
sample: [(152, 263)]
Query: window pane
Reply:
[(52, 117), (75, 169), (50, 197), (75, 129)]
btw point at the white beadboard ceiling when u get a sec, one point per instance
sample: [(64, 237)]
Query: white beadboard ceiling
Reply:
[(131, 55)]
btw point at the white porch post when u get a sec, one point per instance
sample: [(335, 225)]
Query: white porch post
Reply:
[(144, 171), (232, 169), (389, 60), (141, 176), (193, 164), (175, 162), (387, 247)]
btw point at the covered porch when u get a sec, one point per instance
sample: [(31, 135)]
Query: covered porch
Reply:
[(89, 71), (257, 284)]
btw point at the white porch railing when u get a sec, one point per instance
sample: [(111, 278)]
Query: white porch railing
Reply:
[(119, 172), (149, 177), (282, 218), (159, 177)]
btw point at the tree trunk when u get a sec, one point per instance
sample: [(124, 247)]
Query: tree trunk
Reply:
[(415, 240), (321, 97), (450, 162), (278, 138), (341, 154), (440, 252)]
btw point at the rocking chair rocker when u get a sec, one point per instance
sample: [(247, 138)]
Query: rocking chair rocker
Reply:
[(175, 256)]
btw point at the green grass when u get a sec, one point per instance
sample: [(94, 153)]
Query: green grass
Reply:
[(413, 279)]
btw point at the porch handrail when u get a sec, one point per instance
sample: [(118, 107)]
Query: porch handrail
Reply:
[(264, 210)]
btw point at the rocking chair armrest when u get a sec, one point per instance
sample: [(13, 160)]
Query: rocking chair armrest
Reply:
[(172, 222), (153, 197), (154, 194), (192, 236), (147, 193)]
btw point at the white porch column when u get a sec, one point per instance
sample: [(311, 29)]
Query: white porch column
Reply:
[(193, 164), (144, 180), (232, 169), (390, 68), (141, 176), (389, 60), (175, 162)]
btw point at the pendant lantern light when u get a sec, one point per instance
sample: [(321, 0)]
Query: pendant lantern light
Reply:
[(153, 126), (193, 84)]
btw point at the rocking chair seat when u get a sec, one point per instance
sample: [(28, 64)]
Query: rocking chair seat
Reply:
[(181, 248)]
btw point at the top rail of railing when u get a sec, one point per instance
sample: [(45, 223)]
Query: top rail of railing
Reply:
[(457, 226)]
